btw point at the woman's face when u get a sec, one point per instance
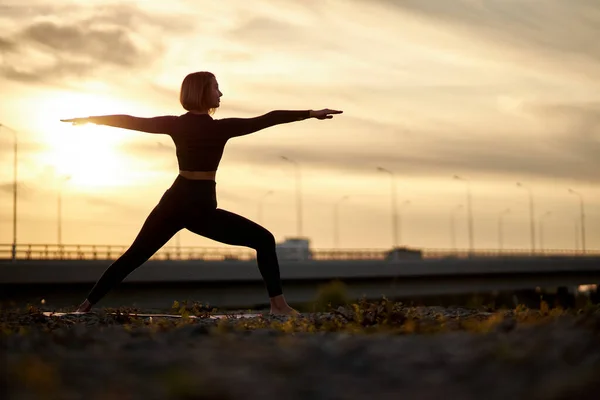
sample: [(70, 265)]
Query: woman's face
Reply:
[(214, 94)]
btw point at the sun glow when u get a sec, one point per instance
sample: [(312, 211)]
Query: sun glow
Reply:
[(88, 154)]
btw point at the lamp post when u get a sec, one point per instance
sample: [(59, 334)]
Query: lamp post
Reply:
[(453, 225), (541, 228), (500, 228), (260, 204), (336, 234), (14, 241), (576, 234), (394, 208), (59, 228), (405, 203), (469, 209), (582, 217), (531, 215), (298, 195)]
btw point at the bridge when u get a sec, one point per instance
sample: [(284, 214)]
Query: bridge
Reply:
[(229, 278)]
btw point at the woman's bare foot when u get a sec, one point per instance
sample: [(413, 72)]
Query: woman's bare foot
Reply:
[(283, 311), (280, 307), (84, 307)]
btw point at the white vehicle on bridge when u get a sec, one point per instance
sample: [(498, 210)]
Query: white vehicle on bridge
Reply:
[(294, 249)]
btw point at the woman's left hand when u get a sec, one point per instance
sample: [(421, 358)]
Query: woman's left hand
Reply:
[(324, 114), (78, 121)]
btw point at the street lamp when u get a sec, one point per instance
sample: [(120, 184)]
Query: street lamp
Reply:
[(576, 233), (336, 234), (14, 243), (531, 215), (405, 203), (469, 209), (453, 225), (260, 202), (298, 195), (582, 217), (394, 209), (500, 228), (59, 231), (541, 228)]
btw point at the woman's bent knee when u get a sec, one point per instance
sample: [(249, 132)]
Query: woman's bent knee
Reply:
[(265, 240)]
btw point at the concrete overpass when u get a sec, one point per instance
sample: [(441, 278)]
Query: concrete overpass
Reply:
[(238, 283)]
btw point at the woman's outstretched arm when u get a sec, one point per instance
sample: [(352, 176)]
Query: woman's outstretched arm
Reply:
[(162, 124), (232, 127)]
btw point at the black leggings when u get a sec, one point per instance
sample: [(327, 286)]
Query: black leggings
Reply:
[(192, 204)]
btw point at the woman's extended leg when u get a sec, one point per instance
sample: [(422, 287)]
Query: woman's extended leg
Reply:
[(227, 227), (159, 227)]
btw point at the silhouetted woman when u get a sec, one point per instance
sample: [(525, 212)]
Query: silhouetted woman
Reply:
[(191, 201)]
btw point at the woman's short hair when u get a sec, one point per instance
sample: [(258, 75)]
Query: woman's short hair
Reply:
[(194, 92)]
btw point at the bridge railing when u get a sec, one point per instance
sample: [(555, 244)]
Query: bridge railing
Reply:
[(112, 252)]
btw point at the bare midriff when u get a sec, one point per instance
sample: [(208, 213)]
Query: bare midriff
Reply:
[(199, 175)]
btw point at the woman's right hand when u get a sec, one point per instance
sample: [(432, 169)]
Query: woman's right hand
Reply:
[(78, 121), (324, 114)]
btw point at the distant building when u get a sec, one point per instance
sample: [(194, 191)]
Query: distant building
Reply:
[(294, 249)]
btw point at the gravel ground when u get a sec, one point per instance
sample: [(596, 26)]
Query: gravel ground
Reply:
[(383, 350)]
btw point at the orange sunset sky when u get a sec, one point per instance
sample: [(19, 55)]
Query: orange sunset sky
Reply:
[(497, 92)]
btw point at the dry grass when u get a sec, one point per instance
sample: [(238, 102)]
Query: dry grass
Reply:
[(361, 317)]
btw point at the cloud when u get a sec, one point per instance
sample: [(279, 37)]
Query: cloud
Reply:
[(6, 187), (553, 29), (24, 192), (557, 155), (58, 71), (56, 48), (578, 133), (6, 45), (583, 119), (289, 27), (69, 50), (108, 45), (260, 31), (230, 56)]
